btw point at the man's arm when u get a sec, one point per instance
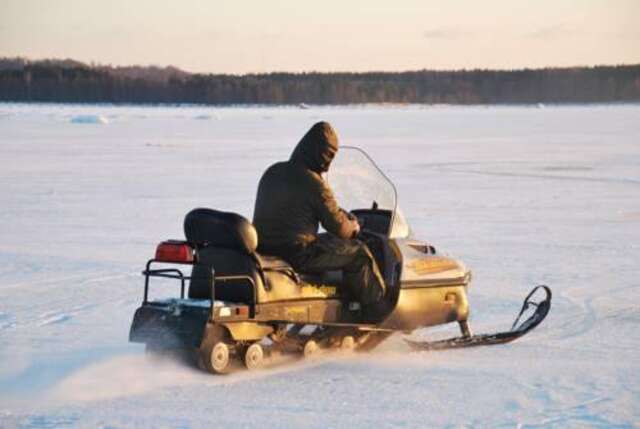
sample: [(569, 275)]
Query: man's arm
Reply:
[(332, 217)]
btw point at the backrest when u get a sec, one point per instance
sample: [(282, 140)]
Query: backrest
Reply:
[(227, 242), (225, 262), (207, 227)]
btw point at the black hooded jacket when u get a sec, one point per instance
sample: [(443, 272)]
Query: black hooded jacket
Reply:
[(293, 198)]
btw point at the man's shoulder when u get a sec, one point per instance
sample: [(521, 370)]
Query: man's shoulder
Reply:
[(293, 171), (276, 166), (275, 170)]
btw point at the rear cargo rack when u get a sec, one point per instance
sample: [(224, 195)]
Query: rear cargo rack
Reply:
[(175, 273), (168, 273)]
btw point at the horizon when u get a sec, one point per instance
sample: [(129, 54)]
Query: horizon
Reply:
[(173, 66), (359, 37)]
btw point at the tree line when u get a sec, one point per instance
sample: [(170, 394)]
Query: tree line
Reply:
[(73, 81)]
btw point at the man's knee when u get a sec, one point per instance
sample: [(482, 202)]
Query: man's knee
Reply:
[(361, 255)]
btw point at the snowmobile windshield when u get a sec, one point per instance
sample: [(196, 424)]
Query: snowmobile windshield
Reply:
[(358, 184)]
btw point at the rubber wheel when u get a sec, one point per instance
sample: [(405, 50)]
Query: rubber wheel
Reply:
[(310, 349), (217, 360), (215, 352), (253, 356)]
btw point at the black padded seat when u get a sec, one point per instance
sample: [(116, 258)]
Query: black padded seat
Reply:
[(207, 227), (270, 263), (227, 242), (275, 263)]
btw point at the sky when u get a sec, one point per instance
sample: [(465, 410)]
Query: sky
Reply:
[(246, 36)]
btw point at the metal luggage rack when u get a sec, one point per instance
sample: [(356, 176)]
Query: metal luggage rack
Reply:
[(175, 273)]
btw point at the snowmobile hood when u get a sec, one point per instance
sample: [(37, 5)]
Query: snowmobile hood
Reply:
[(317, 148)]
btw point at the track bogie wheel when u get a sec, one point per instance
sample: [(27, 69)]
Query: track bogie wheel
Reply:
[(348, 343), (216, 359), (215, 353), (253, 356), (310, 349)]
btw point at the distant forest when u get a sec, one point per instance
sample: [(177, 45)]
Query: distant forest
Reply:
[(73, 81)]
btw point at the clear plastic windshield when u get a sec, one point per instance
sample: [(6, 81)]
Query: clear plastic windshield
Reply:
[(358, 183)]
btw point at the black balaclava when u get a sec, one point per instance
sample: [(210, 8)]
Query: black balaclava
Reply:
[(317, 148)]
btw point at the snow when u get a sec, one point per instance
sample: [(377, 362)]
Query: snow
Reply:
[(89, 119), (522, 195), (206, 117)]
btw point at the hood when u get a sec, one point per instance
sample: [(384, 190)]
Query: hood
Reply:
[(317, 148)]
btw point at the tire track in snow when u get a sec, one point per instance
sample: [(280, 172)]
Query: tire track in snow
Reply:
[(38, 421), (572, 414), (580, 324), (55, 319), (454, 168), (7, 321), (69, 301), (84, 278), (617, 180), (591, 315)]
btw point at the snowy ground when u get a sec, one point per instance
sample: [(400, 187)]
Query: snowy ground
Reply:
[(522, 195)]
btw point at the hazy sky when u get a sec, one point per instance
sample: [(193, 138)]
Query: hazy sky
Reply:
[(243, 36)]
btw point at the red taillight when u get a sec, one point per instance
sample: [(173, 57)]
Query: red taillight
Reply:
[(174, 251)]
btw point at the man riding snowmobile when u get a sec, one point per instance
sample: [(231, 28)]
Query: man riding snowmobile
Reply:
[(293, 199), (241, 305)]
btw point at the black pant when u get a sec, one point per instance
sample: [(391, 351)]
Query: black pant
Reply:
[(361, 275)]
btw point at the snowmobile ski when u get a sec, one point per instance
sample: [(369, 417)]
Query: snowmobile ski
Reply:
[(541, 309)]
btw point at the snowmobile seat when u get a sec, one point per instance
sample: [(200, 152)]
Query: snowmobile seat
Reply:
[(270, 262), (228, 242), (225, 241), (207, 227)]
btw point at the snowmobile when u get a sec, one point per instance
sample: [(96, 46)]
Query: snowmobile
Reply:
[(241, 305)]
